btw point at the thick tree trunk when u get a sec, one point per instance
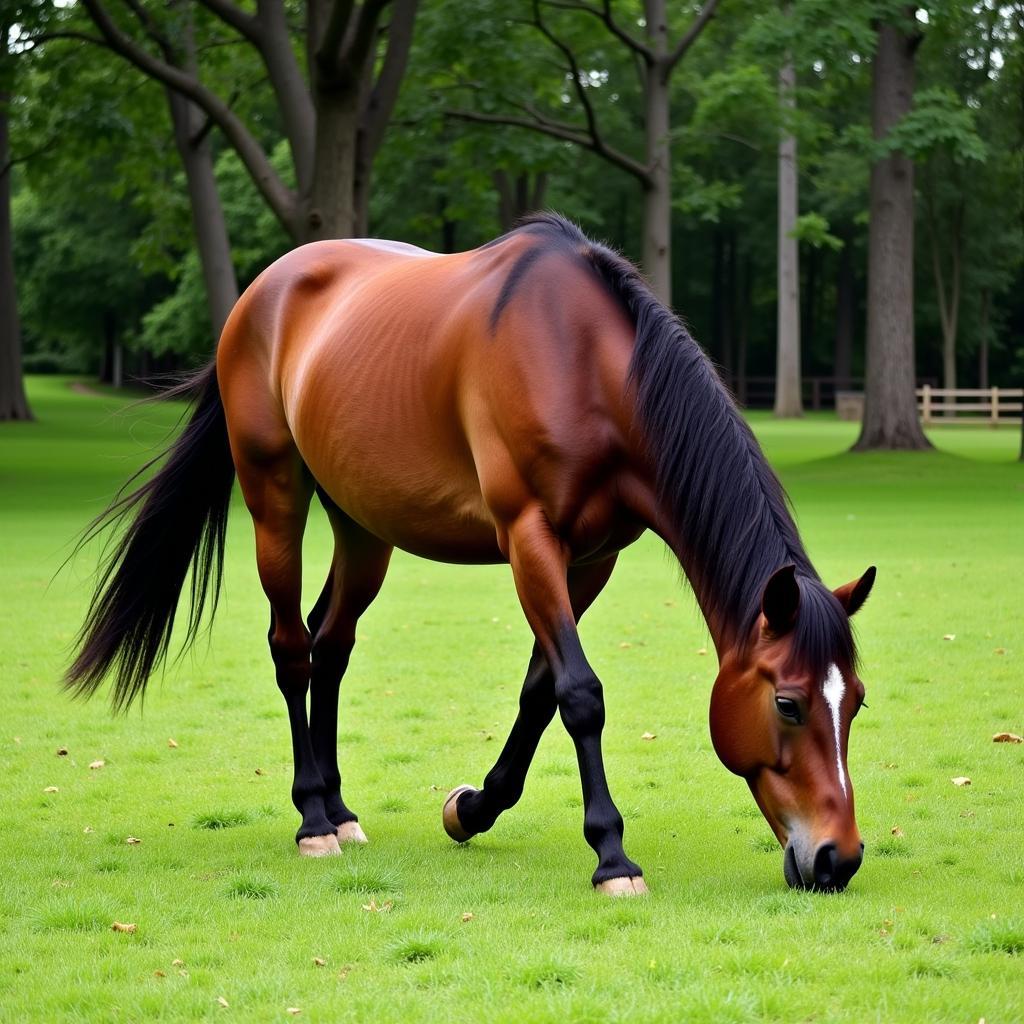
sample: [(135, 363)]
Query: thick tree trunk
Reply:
[(787, 353), (518, 197), (13, 402), (330, 209), (986, 306), (890, 406), (743, 331), (846, 305)]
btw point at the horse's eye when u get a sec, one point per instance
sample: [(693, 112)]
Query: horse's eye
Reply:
[(789, 709)]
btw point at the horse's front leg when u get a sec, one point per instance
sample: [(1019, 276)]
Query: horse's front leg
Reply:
[(468, 811), (539, 565)]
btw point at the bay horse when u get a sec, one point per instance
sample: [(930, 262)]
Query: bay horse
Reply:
[(529, 402)]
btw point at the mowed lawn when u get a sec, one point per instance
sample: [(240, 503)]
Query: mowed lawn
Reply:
[(230, 924)]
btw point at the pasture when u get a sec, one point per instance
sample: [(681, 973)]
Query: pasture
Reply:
[(231, 924)]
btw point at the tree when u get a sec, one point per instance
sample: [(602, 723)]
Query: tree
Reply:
[(333, 115), (787, 351), (658, 55), (890, 403)]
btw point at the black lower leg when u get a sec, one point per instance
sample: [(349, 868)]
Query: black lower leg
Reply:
[(503, 785), (328, 667), (307, 784), (581, 704)]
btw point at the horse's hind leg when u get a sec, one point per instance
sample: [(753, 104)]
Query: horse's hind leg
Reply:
[(468, 811), (277, 490), (357, 572)]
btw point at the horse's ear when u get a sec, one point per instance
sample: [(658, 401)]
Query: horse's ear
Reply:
[(781, 601), (853, 595)]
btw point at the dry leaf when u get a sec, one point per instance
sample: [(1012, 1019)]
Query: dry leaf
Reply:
[(293, 1010), (183, 973), (467, 916), (702, 650), (260, 771), (159, 974), (625, 644), (120, 926), (999, 650), (374, 908), (1007, 737), (51, 789), (172, 743), (97, 764), (177, 963), (62, 751), (223, 1002), (949, 636), (345, 972), (896, 831), (961, 780), (649, 736), (319, 961), (88, 830), (132, 841)]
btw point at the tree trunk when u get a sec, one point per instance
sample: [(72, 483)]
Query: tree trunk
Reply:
[(330, 209), (13, 401), (787, 352), (212, 243), (518, 198), (846, 304), (743, 332), (986, 305), (657, 248), (890, 404)]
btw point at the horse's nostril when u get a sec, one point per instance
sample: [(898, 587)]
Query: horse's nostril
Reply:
[(833, 872)]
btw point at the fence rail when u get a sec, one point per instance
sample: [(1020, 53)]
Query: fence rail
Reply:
[(977, 405)]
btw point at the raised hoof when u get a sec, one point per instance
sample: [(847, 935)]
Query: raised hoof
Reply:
[(622, 887), (450, 815), (319, 846), (350, 832)]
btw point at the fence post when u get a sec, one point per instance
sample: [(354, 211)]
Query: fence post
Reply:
[(995, 406), (926, 404)]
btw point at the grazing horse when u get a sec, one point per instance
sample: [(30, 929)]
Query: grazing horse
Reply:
[(528, 402)]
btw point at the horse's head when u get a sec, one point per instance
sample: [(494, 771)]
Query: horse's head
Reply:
[(780, 717)]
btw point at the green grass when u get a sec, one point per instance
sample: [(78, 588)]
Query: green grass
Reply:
[(931, 929)]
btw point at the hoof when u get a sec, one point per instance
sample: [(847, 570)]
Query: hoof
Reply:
[(319, 846), (450, 815), (350, 832), (622, 887)]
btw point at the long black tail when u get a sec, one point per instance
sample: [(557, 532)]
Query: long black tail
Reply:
[(178, 519)]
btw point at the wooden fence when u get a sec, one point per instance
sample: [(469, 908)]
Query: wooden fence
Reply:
[(976, 405)]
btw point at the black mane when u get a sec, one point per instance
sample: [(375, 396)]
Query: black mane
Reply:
[(725, 502)]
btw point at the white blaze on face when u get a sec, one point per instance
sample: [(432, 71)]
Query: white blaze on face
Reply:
[(833, 689)]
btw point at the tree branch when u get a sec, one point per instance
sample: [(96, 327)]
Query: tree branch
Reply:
[(243, 23), (605, 15), (329, 48), (382, 97), (354, 54), (691, 34), (567, 133), (278, 196)]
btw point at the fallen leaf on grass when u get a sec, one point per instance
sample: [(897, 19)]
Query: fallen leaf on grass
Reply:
[(120, 926), (896, 831), (172, 743), (62, 751), (260, 771), (702, 651), (625, 644), (177, 963), (949, 636), (223, 1002), (159, 974), (999, 650), (1007, 737), (93, 765), (961, 780), (88, 830), (649, 736), (319, 961), (293, 1010), (132, 841), (467, 916), (51, 789), (344, 972), (374, 908)]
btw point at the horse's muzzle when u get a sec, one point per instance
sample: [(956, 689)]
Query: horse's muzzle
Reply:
[(829, 872)]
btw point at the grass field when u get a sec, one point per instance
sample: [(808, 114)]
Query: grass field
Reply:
[(931, 929)]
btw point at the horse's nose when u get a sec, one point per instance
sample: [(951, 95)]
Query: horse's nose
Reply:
[(832, 871)]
